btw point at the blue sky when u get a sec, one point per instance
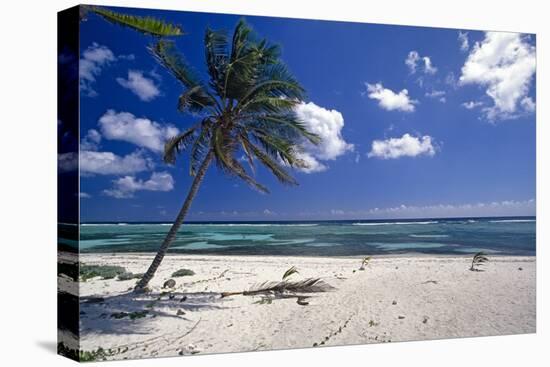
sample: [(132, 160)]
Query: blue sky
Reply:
[(417, 122)]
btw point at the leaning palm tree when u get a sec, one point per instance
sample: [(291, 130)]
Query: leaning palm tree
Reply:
[(245, 110)]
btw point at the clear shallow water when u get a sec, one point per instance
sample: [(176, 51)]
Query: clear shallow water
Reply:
[(506, 236)]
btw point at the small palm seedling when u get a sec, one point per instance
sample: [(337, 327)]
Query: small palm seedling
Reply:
[(478, 260), (289, 272), (365, 263)]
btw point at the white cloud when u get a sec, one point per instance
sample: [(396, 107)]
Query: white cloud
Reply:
[(413, 59), (495, 208), (479, 209), (464, 42), (450, 80), (84, 195), (108, 163), (140, 131), (141, 86), (503, 63), (67, 162), (328, 125), (470, 105), (437, 94), (94, 58), (528, 104), (405, 146), (428, 67), (389, 100), (126, 186), (91, 141), (311, 165), (268, 212)]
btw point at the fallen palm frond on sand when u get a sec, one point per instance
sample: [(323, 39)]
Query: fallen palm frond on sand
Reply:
[(310, 285)]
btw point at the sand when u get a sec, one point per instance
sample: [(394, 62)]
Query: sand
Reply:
[(396, 298)]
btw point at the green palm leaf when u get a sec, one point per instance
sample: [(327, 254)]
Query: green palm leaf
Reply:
[(167, 55), (146, 25), (224, 146), (217, 57), (289, 272), (178, 143), (278, 171)]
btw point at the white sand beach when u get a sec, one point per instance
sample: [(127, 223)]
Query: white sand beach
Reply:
[(396, 298)]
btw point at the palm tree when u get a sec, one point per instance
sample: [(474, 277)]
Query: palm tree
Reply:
[(246, 109)]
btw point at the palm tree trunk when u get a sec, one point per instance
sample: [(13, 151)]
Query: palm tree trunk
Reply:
[(171, 236)]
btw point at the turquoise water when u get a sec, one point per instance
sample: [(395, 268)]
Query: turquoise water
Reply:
[(510, 236)]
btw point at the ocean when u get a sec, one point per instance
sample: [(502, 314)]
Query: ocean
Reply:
[(503, 236)]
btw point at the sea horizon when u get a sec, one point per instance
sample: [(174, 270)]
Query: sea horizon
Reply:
[(284, 221)]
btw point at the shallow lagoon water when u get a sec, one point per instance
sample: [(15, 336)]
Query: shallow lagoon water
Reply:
[(506, 236)]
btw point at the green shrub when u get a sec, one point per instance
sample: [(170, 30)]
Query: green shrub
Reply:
[(103, 271), (183, 273)]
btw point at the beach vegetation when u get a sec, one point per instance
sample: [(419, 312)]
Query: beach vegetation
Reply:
[(264, 301), (104, 271), (93, 355), (183, 273), (289, 272), (478, 260), (365, 263)]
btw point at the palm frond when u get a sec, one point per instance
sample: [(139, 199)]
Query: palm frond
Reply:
[(194, 100), (178, 143), (217, 57), (262, 104), (224, 149), (277, 147), (200, 148), (248, 60), (289, 272), (167, 55), (309, 285), (147, 25), (248, 155), (288, 121), (479, 259), (278, 171), (275, 81)]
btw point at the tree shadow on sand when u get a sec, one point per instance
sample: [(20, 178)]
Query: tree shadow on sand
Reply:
[(132, 313)]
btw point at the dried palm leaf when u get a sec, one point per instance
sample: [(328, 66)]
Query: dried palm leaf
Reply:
[(310, 285)]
